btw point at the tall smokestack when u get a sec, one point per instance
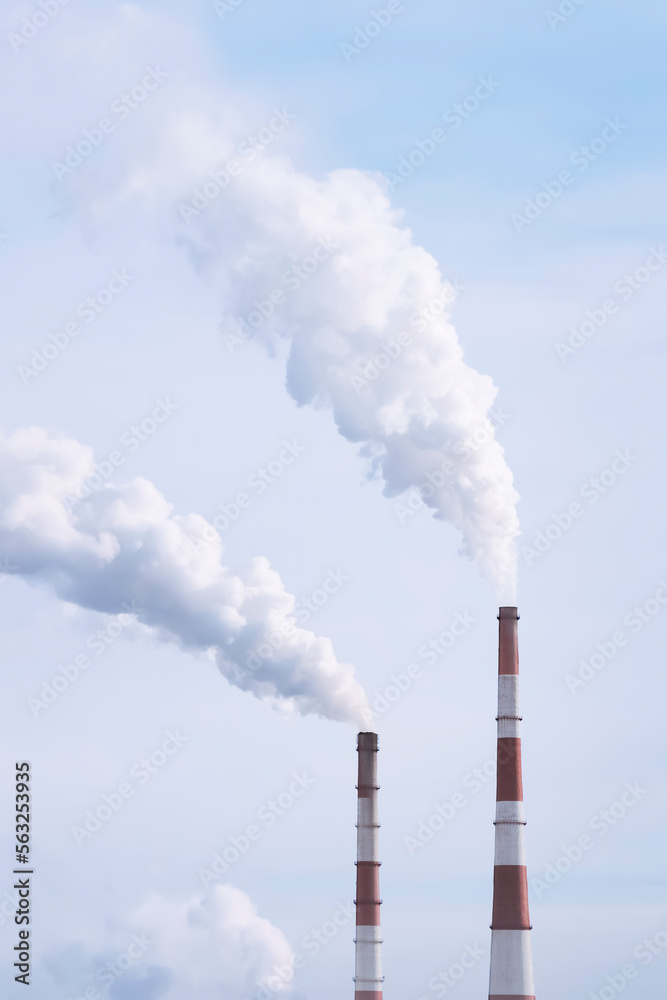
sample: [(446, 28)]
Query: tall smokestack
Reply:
[(511, 958), (368, 977)]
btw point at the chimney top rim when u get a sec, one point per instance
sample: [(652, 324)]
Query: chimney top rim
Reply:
[(508, 612)]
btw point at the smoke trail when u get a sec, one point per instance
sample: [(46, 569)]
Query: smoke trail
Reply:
[(123, 544), (180, 948), (325, 264)]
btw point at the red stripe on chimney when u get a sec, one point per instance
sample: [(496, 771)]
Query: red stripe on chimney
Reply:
[(510, 898), (508, 648), (509, 784), (368, 893)]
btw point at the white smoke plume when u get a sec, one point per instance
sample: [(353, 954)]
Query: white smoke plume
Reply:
[(366, 322), (326, 265), (217, 947), (168, 948), (365, 311), (123, 546)]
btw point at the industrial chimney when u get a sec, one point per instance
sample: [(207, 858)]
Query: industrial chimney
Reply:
[(511, 958), (368, 977)]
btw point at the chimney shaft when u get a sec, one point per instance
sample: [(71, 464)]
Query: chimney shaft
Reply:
[(368, 969), (511, 958)]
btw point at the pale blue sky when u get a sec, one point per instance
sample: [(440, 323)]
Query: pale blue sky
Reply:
[(566, 421)]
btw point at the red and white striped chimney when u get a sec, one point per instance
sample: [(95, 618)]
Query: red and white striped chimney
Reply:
[(368, 977), (511, 958)]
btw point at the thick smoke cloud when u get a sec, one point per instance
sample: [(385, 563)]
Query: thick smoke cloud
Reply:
[(216, 948), (325, 264), (123, 547)]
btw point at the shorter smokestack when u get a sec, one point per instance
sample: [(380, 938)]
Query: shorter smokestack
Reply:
[(511, 959), (368, 977)]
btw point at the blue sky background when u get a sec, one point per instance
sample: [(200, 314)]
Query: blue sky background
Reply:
[(566, 420)]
